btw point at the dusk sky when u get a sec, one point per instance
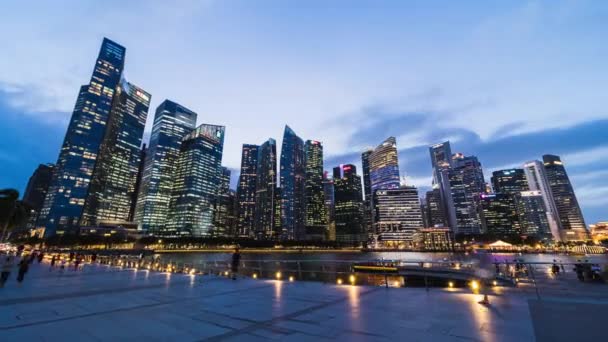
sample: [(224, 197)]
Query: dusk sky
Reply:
[(507, 81)]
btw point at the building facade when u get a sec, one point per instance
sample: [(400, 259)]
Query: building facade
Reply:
[(224, 215), (510, 181), (172, 122), (384, 166), (69, 187), (113, 183), (197, 178), (537, 181), (533, 214), (397, 216), (35, 192), (246, 190), (292, 173), (348, 205), (498, 215), (316, 214), (466, 184), (267, 199)]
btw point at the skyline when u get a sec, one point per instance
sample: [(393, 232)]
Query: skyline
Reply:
[(417, 117)]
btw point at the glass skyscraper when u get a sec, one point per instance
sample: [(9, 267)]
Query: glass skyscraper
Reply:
[(511, 181), (537, 181), (267, 203), (397, 215), (246, 190), (292, 174), (435, 209), (224, 207), (466, 184), (568, 210), (384, 166), (533, 214), (348, 205), (316, 214), (367, 190), (197, 178), (112, 186), (36, 190), (172, 122), (65, 199), (498, 215), (441, 160)]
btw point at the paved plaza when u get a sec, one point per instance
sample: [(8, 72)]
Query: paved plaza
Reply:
[(104, 303)]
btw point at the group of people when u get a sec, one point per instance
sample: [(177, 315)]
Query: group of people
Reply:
[(9, 262)]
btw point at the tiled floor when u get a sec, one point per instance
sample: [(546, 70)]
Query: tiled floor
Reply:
[(102, 304)]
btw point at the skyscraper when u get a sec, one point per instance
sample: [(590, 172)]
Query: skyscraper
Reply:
[(466, 184), (510, 181), (397, 215), (140, 171), (537, 181), (435, 209), (367, 193), (498, 215), (246, 190), (197, 178), (36, 190), (441, 159), (224, 207), (172, 122), (316, 214), (267, 222), (568, 209), (533, 214), (292, 174), (348, 206), (112, 185), (328, 191), (384, 166), (69, 187)]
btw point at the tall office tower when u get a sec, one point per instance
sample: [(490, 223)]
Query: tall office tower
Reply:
[(140, 172), (246, 190), (70, 184), (113, 182), (397, 215), (568, 210), (441, 160), (435, 209), (510, 181), (328, 192), (498, 216), (316, 215), (172, 122), (367, 193), (292, 174), (348, 210), (36, 190), (266, 195), (537, 181), (224, 206), (197, 177), (533, 214), (466, 184), (384, 166)]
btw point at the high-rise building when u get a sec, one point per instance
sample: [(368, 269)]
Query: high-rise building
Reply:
[(112, 186), (348, 205), (172, 122), (223, 220), (466, 184), (533, 214), (384, 166), (568, 210), (537, 181), (435, 209), (138, 183), (510, 181), (316, 214), (367, 190), (69, 187), (441, 160), (397, 215), (267, 222), (246, 190), (36, 190), (328, 191), (498, 215), (197, 178), (292, 174)]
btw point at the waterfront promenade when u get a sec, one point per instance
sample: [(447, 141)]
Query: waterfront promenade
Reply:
[(103, 303)]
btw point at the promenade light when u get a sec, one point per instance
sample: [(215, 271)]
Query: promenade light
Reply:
[(397, 283), (278, 275), (226, 273), (291, 278), (450, 284), (255, 276), (352, 279), (495, 283), (475, 285), (192, 271), (339, 281)]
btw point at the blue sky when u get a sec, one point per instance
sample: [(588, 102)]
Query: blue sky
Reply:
[(507, 81)]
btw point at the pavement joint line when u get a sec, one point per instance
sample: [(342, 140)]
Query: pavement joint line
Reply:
[(143, 306), (268, 323)]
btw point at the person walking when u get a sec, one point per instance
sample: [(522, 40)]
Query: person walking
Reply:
[(7, 266), (236, 258), (40, 257), (23, 267), (53, 261)]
